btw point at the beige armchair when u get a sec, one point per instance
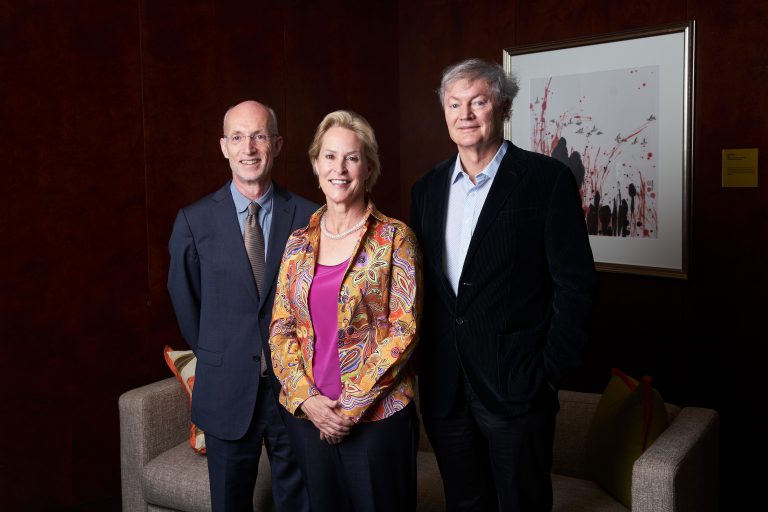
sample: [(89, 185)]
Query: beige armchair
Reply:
[(678, 472)]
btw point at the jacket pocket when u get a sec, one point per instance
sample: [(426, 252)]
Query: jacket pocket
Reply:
[(208, 357), (519, 215), (521, 363)]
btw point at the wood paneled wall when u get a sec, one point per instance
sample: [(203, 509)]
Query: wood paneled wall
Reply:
[(110, 116), (702, 339)]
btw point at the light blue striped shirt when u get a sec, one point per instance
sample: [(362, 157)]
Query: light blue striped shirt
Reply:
[(265, 213), (465, 202)]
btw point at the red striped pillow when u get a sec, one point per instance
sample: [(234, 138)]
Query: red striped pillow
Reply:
[(183, 363)]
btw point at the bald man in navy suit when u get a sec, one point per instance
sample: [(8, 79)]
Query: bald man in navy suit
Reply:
[(225, 319)]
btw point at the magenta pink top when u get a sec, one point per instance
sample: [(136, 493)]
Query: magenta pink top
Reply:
[(324, 312)]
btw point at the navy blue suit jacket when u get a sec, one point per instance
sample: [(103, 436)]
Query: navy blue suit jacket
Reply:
[(218, 307), (525, 290)]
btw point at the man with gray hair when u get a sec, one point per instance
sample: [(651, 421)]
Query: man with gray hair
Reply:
[(225, 251), (509, 282)]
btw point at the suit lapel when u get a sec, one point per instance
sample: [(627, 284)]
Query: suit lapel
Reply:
[(228, 226), (511, 170), (436, 206), (283, 211)]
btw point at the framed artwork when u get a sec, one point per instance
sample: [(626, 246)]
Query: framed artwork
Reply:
[(618, 111)]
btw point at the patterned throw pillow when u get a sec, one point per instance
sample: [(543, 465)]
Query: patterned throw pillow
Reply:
[(629, 417), (183, 363)]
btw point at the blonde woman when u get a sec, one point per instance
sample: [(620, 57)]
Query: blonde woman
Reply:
[(343, 331)]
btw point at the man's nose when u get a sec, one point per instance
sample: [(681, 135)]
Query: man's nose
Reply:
[(466, 111)]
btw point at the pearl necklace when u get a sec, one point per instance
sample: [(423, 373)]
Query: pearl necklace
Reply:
[(343, 234)]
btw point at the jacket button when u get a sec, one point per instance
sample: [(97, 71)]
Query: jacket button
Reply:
[(257, 358), (459, 321)]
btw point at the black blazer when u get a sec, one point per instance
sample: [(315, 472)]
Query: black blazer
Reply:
[(218, 307), (525, 291)]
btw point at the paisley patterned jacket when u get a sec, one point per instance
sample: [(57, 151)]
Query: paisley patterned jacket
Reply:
[(378, 310)]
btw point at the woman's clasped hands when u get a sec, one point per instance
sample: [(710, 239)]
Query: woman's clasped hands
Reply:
[(326, 415)]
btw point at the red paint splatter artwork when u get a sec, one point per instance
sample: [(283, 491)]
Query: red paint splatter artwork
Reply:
[(604, 127)]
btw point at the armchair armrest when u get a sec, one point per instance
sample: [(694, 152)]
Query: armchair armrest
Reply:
[(679, 471), (153, 419)]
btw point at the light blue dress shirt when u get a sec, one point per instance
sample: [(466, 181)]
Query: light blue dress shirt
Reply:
[(265, 213), (465, 202)]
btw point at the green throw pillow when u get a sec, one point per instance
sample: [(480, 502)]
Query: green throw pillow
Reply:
[(629, 417)]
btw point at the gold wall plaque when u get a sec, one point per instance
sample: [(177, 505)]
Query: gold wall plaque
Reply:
[(740, 167)]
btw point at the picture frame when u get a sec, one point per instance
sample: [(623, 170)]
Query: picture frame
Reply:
[(618, 110)]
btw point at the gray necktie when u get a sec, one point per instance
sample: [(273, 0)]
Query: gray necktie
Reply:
[(254, 243), (253, 237)]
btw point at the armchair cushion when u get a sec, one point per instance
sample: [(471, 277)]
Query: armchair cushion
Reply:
[(629, 417), (183, 364), (178, 479)]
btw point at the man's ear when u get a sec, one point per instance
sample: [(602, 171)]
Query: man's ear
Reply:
[(506, 110), (278, 145), (224, 151)]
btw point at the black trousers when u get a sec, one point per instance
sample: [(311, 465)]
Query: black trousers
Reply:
[(372, 469), (233, 465), (491, 463)]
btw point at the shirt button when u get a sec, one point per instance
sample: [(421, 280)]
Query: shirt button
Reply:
[(459, 321)]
